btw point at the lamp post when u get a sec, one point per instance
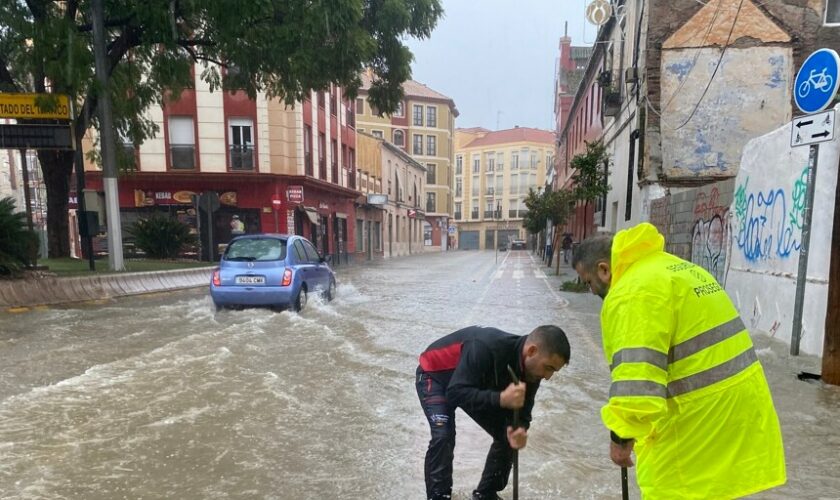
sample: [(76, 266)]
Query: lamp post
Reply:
[(496, 215)]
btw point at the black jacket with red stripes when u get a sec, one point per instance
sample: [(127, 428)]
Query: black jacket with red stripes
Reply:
[(472, 364)]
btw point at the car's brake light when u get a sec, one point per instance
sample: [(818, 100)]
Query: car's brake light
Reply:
[(287, 277), (217, 279)]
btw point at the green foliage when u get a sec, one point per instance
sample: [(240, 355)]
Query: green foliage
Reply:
[(283, 48), (161, 236), (574, 286), (554, 206), (18, 245), (590, 176)]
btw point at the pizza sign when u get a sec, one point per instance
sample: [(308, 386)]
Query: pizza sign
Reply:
[(294, 194)]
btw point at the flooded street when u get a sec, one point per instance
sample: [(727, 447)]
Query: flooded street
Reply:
[(160, 397)]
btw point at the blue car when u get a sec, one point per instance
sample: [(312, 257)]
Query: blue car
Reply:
[(273, 270)]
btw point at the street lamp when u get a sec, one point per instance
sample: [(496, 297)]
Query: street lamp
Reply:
[(497, 214)]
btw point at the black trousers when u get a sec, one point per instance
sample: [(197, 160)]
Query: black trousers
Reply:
[(441, 418)]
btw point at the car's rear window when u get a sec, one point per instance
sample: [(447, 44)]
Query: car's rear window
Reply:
[(256, 249)]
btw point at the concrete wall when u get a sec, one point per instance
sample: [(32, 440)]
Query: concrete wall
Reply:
[(766, 218)]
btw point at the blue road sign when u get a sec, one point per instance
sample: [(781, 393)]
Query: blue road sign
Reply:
[(817, 81)]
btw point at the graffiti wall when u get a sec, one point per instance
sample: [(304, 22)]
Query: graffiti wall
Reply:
[(766, 214), (695, 223)]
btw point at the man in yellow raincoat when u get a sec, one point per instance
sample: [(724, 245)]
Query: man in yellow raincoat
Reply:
[(688, 393)]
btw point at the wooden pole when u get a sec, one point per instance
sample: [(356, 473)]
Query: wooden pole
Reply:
[(831, 344)]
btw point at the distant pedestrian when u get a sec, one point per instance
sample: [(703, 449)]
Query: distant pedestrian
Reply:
[(469, 369), (688, 392), (567, 247), (237, 227)]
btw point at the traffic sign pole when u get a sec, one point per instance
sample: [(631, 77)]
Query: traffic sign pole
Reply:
[(814, 88), (801, 275)]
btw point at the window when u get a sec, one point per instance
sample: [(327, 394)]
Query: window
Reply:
[(490, 160), (418, 144), (431, 173), (459, 187), (181, 142), (241, 144), (334, 161), (500, 162), (431, 116), (307, 148), (377, 236), (360, 106), (322, 156), (418, 115), (459, 165), (514, 161), (431, 145), (476, 164), (458, 214), (832, 12), (474, 186), (374, 110), (377, 133), (431, 199), (399, 138), (534, 160), (399, 112), (474, 211)]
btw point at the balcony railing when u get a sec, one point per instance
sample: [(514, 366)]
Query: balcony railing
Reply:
[(457, 215), (474, 215), (242, 157), (182, 156), (516, 214), (489, 214)]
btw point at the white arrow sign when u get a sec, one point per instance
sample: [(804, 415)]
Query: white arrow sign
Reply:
[(811, 129)]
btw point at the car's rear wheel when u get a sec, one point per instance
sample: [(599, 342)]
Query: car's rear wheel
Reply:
[(301, 299), (330, 293)]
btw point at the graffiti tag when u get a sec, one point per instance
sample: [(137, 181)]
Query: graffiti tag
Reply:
[(766, 229), (709, 234)]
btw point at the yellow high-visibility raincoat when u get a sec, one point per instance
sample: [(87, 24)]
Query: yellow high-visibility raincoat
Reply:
[(686, 382)]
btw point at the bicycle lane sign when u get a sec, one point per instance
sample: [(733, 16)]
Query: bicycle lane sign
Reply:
[(817, 81)]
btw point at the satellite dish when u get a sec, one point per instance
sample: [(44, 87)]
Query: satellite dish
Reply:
[(599, 12)]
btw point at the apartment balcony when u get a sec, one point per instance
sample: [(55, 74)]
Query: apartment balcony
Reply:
[(182, 156), (242, 158)]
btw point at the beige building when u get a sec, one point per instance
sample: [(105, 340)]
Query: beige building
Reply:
[(493, 173), (393, 183), (422, 127)]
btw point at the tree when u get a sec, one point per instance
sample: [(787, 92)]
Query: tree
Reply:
[(18, 245), (281, 47), (590, 175), (546, 206)]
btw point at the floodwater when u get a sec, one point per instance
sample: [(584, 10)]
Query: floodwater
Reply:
[(160, 397)]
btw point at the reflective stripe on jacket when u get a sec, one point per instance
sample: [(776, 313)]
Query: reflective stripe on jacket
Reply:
[(686, 382)]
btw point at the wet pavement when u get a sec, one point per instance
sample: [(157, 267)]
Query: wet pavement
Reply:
[(160, 397)]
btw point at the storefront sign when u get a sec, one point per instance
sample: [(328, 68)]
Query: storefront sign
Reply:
[(294, 194), (377, 199), (25, 106), (412, 213), (149, 198)]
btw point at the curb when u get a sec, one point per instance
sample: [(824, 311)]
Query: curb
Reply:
[(52, 291)]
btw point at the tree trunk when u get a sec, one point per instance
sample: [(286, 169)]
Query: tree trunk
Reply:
[(57, 167)]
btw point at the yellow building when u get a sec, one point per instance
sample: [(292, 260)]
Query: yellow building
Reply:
[(423, 127), (493, 173)]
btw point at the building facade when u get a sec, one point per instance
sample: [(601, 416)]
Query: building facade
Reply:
[(423, 127), (400, 227), (285, 169), (494, 170)]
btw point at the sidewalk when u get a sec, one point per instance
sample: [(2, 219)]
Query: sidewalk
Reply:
[(54, 290)]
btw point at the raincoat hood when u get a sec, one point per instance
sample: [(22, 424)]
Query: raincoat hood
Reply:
[(631, 245)]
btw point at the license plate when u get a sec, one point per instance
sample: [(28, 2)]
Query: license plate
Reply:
[(250, 280)]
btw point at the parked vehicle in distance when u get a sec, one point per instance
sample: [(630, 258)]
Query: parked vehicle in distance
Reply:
[(517, 244), (270, 270)]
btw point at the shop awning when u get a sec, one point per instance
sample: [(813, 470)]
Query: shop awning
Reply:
[(312, 213)]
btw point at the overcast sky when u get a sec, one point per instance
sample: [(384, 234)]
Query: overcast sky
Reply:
[(495, 58)]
